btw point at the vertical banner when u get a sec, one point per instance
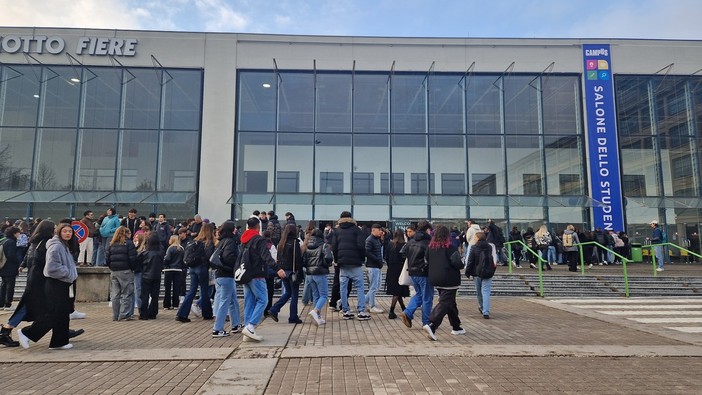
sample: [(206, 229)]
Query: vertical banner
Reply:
[(605, 179)]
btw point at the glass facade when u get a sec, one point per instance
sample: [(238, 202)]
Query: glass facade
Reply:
[(77, 138), (398, 146)]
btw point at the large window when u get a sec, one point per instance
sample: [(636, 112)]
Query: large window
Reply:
[(331, 182)]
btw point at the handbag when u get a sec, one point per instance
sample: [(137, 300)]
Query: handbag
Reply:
[(216, 258), (405, 278)]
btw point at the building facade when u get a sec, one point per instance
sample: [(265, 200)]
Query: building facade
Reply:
[(393, 129)]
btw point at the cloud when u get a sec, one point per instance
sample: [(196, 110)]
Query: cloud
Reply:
[(219, 16), (112, 14)]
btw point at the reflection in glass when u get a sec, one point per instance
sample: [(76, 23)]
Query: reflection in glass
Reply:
[(102, 98), (295, 154), (333, 163), (482, 105), (638, 158), (138, 167), (448, 161), (486, 165), (182, 99), (257, 100), (20, 92), (409, 156), (370, 103), (633, 110), (408, 96), (334, 102), (296, 102), (61, 96), (524, 166), (680, 177), (143, 100), (561, 110), (446, 104), (521, 105), (179, 161), (98, 150), (371, 156), (16, 152), (564, 165), (251, 147), (55, 159)]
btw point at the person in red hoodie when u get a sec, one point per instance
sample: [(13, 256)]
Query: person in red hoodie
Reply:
[(256, 259)]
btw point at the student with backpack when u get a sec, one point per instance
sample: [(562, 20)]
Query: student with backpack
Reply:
[(197, 255), (225, 297), (570, 247), (482, 263), (9, 266)]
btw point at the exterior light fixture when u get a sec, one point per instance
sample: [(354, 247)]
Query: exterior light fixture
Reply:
[(74, 79), (266, 85), (36, 96)]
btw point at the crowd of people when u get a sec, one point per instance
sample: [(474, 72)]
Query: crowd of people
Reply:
[(270, 253)]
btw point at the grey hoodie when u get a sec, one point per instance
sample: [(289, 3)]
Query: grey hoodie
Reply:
[(59, 262)]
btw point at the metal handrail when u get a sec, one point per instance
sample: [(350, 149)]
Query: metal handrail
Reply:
[(623, 259), (653, 255), (540, 258)]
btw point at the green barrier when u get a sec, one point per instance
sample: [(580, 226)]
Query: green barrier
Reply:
[(653, 254)]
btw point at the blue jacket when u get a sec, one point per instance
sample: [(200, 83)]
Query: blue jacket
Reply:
[(109, 226)]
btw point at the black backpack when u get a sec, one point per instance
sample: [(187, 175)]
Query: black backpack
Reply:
[(485, 267), (243, 270), (194, 254)]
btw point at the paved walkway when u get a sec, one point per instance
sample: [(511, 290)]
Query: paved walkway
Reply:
[(529, 345)]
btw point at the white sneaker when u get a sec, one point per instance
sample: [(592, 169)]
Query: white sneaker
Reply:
[(660, 269), (23, 340), (316, 318), (64, 347), (430, 333), (376, 309), (322, 321), (196, 311), (251, 335), (77, 315), (590, 266)]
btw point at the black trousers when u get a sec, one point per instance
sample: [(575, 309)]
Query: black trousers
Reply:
[(446, 305), (572, 259), (7, 290), (270, 284), (56, 317), (149, 288), (172, 282), (336, 288)]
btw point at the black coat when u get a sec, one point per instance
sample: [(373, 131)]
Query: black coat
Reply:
[(151, 264), (414, 251), (174, 258), (444, 267), (291, 253), (12, 264), (121, 256), (374, 252), (348, 244), (34, 297), (230, 252), (317, 257)]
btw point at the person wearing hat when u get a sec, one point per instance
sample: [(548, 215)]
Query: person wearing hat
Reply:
[(657, 238)]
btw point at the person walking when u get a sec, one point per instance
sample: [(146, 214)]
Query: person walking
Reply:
[(121, 258), (10, 271), (61, 272), (225, 297), (199, 276), (290, 260), (316, 260), (374, 264), (657, 238), (415, 251), (395, 265), (349, 248), (482, 263), (444, 262)]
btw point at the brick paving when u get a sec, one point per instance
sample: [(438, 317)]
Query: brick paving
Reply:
[(542, 349)]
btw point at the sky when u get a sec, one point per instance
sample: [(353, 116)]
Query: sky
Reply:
[(654, 19)]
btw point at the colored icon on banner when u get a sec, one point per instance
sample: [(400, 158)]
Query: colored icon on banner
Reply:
[(592, 64), (604, 75), (592, 74), (602, 64)]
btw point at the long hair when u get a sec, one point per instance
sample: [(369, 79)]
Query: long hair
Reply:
[(174, 241), (153, 243), (542, 231), (140, 241), (398, 238), (59, 228), (441, 238), (43, 231), (206, 234), (309, 231), (289, 229), (227, 229), (120, 236)]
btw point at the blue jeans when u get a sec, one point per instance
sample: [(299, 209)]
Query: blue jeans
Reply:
[(255, 299), (199, 277), (290, 291), (355, 275), (17, 316), (375, 277), (319, 285), (100, 258), (658, 250), (136, 300), (482, 289), (424, 296), (551, 255), (306, 291), (226, 302)]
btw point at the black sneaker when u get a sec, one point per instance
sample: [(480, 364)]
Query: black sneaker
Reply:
[(182, 319), (392, 315), (237, 328), (486, 316), (273, 316), (6, 340), (74, 333), (220, 333), (347, 315), (363, 316)]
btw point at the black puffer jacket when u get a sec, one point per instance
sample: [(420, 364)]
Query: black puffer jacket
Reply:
[(348, 244), (230, 252), (317, 257), (414, 251), (151, 264), (121, 256), (444, 267), (12, 264), (286, 259), (374, 252), (174, 258)]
